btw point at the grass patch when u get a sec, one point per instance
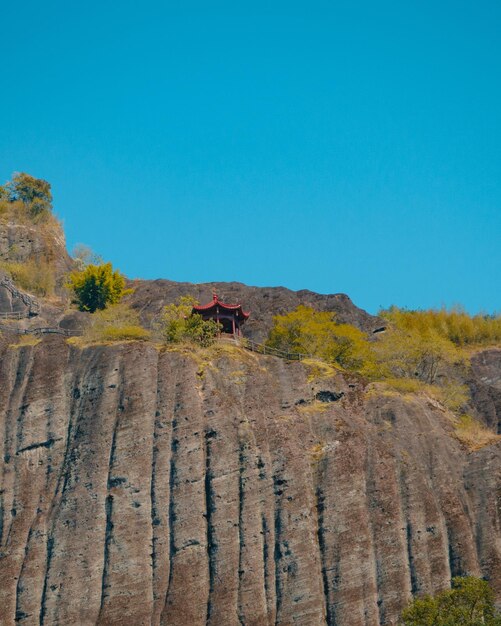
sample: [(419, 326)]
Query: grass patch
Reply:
[(451, 394), (117, 323), (313, 407), (320, 370), (36, 277), (318, 451), (124, 333), (26, 340), (473, 434)]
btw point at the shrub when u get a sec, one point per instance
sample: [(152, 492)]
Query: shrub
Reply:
[(314, 333), (97, 286), (414, 352), (470, 602), (179, 325), (116, 323)]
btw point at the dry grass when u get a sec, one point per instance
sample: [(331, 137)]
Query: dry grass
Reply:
[(320, 370), (26, 340), (117, 323), (37, 277), (318, 451), (451, 395), (314, 407), (473, 433)]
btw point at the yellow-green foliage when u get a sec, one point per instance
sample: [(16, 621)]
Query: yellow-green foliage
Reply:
[(116, 323), (314, 333), (450, 394), (470, 602), (473, 433), (26, 340), (178, 325), (320, 370), (97, 286), (454, 325), (37, 277), (414, 352), (420, 352)]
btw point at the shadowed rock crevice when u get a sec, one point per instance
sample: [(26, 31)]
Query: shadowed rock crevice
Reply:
[(210, 509)]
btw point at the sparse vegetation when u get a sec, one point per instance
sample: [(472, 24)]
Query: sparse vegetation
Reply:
[(97, 286), (113, 324), (26, 340), (84, 256), (470, 602), (473, 434), (36, 277)]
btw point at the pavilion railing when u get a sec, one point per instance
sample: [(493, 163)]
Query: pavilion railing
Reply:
[(11, 315), (248, 344), (44, 330), (262, 348)]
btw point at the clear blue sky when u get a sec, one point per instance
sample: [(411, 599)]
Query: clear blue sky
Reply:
[(337, 146)]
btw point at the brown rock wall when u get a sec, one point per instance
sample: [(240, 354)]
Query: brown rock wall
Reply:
[(144, 487)]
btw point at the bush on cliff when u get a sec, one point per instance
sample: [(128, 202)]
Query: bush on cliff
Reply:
[(316, 333), (178, 325), (97, 286), (415, 353), (470, 602), (118, 322)]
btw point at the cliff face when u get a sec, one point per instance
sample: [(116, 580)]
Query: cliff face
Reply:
[(22, 242), (141, 488)]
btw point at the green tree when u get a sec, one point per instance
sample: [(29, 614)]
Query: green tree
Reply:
[(96, 286), (179, 325), (470, 602), (34, 193)]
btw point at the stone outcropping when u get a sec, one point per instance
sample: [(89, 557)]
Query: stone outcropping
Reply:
[(141, 487), (23, 242), (15, 301)]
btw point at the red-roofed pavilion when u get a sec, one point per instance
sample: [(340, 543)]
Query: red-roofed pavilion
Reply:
[(230, 316)]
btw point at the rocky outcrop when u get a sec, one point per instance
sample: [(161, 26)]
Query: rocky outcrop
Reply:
[(15, 301), (485, 387), (142, 487), (45, 241), (151, 296)]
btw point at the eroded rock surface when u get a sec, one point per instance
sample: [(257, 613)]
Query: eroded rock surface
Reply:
[(142, 487)]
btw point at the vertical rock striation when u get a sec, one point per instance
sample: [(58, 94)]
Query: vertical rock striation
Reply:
[(154, 488)]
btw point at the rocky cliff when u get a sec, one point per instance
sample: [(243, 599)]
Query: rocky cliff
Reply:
[(150, 296), (144, 487)]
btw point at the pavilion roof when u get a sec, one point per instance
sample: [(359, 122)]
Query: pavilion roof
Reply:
[(216, 302)]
